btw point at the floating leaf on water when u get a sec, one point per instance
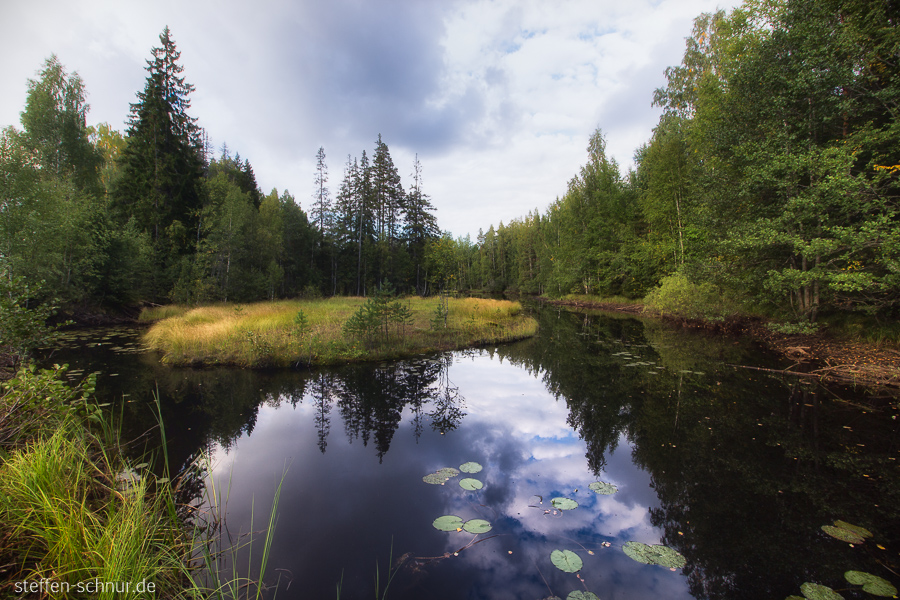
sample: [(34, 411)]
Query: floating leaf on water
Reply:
[(470, 467), (566, 560), (564, 503), (601, 487), (654, 555), (669, 557), (447, 523), (579, 595), (873, 584), (860, 531), (814, 591), (440, 476), (794, 597), (477, 526), (845, 535), (470, 484)]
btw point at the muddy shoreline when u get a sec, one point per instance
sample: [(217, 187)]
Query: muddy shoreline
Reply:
[(819, 354)]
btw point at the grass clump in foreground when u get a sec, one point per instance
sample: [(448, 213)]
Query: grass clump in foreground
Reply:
[(335, 330), (66, 515), (78, 521)]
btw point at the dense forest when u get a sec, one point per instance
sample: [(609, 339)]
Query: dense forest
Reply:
[(769, 184), (96, 219)]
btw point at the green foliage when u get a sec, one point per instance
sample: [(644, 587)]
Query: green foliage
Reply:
[(301, 324), (374, 320), (677, 295), (802, 327), (23, 318), (35, 401)]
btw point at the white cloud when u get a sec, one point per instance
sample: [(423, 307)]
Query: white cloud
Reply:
[(498, 98)]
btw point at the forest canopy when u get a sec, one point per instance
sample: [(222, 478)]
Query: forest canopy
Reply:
[(769, 183)]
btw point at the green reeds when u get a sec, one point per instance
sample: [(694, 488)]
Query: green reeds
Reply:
[(78, 520), (67, 521)]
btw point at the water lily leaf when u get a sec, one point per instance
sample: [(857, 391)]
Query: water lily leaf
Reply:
[(814, 591), (470, 484), (873, 584), (447, 523), (564, 503), (668, 557), (603, 488), (440, 476), (845, 535), (477, 526), (566, 560), (638, 551), (795, 597), (579, 595), (470, 467), (654, 555), (860, 531)]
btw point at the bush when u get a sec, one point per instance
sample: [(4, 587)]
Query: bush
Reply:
[(677, 295)]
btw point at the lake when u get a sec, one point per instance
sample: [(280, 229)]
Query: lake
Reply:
[(736, 469)]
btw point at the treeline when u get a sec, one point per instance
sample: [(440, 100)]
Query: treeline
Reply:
[(95, 218), (770, 182)]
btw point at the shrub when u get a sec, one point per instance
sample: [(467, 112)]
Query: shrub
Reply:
[(678, 295)]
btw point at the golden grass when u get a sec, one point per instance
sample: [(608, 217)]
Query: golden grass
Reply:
[(264, 334)]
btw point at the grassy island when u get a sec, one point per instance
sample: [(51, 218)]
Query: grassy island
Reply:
[(331, 331)]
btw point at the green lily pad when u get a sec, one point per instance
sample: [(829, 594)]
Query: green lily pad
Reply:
[(477, 526), (654, 555), (603, 488), (860, 531), (470, 484), (814, 591), (873, 584), (669, 557), (845, 535), (566, 560), (448, 523), (795, 597), (579, 595), (470, 467), (564, 503), (440, 476)]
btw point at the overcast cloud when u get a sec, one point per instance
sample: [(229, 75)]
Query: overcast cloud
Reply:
[(497, 97)]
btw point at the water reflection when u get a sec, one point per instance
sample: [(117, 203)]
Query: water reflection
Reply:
[(736, 469)]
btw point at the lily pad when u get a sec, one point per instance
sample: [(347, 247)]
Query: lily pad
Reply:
[(477, 526), (448, 523), (860, 531), (566, 560), (470, 484), (470, 467), (873, 584), (654, 555), (814, 591), (440, 476), (603, 488), (564, 503), (845, 535), (579, 595)]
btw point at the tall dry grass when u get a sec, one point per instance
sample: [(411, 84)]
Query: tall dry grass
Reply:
[(266, 334)]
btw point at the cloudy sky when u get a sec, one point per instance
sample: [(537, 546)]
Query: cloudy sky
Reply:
[(497, 97)]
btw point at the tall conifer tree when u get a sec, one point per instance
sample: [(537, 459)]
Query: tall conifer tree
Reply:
[(163, 160)]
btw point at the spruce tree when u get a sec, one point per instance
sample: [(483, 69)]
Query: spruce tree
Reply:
[(163, 163)]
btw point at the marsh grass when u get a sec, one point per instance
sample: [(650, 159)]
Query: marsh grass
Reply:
[(266, 334), (74, 511), (66, 520)]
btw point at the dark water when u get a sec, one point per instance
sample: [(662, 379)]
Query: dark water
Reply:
[(734, 468)]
